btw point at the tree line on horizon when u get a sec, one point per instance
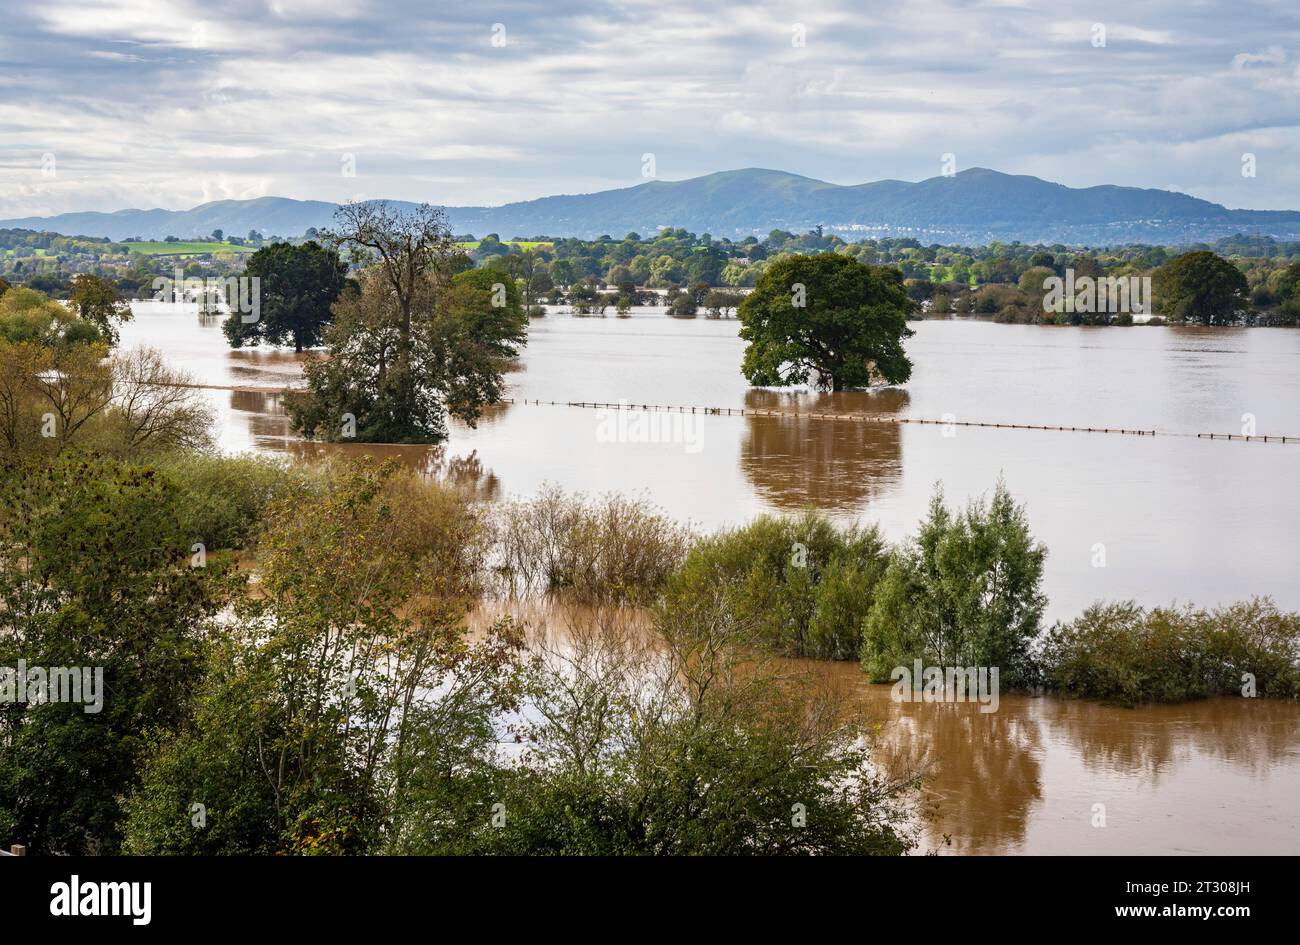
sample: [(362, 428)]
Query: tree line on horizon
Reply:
[(1000, 280)]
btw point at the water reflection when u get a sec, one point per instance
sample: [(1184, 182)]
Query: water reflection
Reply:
[(1023, 779), (836, 465), (1253, 735), (985, 773)]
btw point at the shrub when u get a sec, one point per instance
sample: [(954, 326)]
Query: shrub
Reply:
[(685, 746), (804, 585), (1123, 653), (225, 499), (350, 668), (965, 592), (604, 549)]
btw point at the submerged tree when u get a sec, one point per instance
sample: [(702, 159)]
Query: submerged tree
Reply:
[(98, 302), (827, 315), (425, 335)]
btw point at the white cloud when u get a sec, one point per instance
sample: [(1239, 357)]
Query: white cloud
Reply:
[(170, 102)]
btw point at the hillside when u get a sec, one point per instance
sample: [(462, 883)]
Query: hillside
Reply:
[(974, 206)]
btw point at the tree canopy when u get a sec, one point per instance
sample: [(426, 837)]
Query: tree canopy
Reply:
[(1201, 287), (826, 319), (297, 286), (98, 302), (425, 336)]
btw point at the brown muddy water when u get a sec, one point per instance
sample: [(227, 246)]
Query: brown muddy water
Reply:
[(1178, 519)]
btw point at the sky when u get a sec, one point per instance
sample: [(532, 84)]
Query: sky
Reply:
[(110, 104)]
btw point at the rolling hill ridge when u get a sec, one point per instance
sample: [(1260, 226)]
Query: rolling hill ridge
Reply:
[(973, 206)]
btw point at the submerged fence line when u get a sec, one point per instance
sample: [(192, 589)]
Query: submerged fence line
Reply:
[(1249, 438), (871, 418), (808, 415), (797, 414)]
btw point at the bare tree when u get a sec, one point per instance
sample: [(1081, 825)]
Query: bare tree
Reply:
[(154, 406), (410, 247)]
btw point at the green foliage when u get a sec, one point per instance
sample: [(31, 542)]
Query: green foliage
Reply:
[(827, 315), (350, 659), (421, 339), (226, 498), (802, 584), (1201, 287), (1126, 654), (98, 303), (684, 747), (95, 571), (297, 286), (32, 317), (966, 591)]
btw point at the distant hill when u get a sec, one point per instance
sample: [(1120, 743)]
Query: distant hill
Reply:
[(974, 206), (267, 215)]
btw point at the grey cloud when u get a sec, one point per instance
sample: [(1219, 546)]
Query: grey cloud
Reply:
[(163, 102)]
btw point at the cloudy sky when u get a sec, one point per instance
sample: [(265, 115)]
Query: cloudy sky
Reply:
[(107, 104)]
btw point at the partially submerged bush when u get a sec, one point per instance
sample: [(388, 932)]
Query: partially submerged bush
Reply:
[(350, 669), (682, 746), (803, 584), (965, 592), (611, 548), (1127, 654)]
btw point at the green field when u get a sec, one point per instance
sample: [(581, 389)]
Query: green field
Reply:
[(522, 244), (160, 248)]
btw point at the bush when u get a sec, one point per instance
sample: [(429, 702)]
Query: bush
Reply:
[(607, 549), (350, 668), (225, 499), (687, 746), (95, 571), (804, 585), (965, 592), (1125, 654)]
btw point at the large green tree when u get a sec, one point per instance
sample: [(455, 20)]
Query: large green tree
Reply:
[(97, 570), (297, 286), (345, 685), (826, 318), (1201, 287)]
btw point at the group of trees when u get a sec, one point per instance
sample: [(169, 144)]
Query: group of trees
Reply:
[(1198, 287), (966, 590), (1000, 279), (50, 262), (345, 707), (420, 336), (62, 386)]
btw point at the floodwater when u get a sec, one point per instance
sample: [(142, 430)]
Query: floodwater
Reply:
[(1154, 518), (1220, 776)]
